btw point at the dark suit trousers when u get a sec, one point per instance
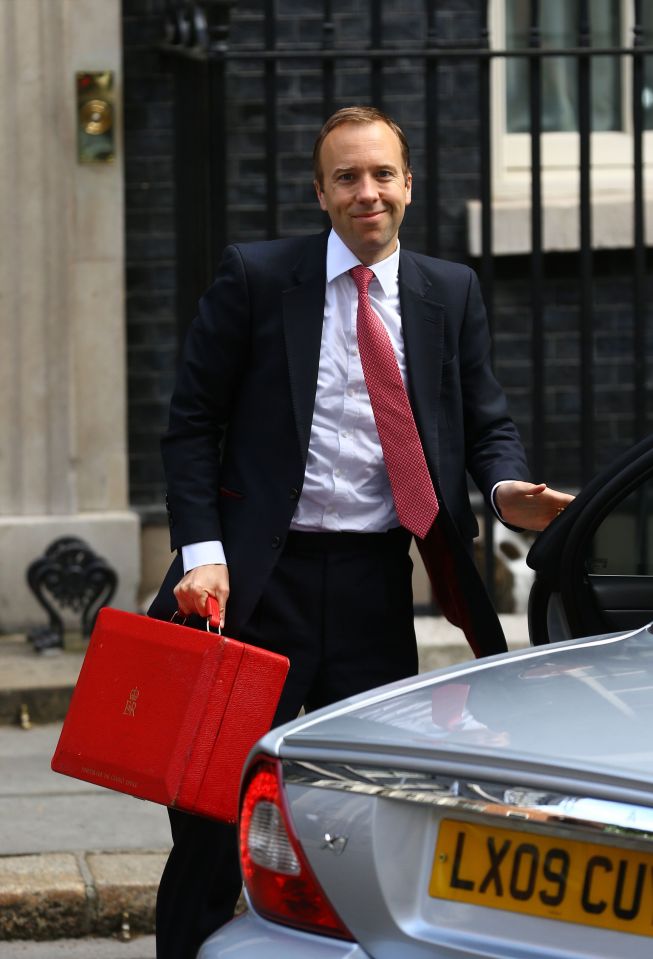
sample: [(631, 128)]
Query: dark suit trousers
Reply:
[(339, 605)]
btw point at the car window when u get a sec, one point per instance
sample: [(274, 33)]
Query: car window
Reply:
[(622, 545)]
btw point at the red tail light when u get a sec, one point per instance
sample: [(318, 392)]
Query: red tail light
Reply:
[(279, 881)]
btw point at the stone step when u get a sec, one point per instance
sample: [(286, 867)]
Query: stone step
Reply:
[(74, 894), (36, 686)]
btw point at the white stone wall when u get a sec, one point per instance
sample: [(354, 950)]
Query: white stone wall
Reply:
[(63, 464)]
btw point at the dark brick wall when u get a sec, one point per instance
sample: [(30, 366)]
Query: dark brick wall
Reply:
[(150, 215), (149, 246), (404, 24), (613, 354)]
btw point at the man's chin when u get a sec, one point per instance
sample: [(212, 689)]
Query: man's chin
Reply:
[(372, 236)]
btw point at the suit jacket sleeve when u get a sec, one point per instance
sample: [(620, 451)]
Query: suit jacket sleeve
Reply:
[(212, 365)]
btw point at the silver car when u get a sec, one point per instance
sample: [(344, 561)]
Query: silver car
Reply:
[(501, 808)]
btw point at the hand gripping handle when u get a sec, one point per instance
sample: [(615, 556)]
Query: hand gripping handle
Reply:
[(212, 613)]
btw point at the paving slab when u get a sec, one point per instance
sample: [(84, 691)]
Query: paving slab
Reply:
[(137, 947), (23, 668), (141, 947), (440, 644)]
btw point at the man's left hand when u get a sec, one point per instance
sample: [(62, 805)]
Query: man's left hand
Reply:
[(530, 505)]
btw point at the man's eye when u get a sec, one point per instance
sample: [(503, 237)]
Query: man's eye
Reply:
[(346, 177), (384, 174)]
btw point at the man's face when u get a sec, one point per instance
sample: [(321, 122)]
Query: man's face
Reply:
[(364, 188)]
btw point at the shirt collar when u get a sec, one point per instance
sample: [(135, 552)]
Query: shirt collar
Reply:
[(340, 260)]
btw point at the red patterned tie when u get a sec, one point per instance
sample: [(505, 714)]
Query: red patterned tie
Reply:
[(412, 489)]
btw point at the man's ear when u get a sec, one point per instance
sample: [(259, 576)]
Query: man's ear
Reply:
[(320, 195), (409, 187)]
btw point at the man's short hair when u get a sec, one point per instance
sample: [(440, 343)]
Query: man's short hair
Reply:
[(358, 114)]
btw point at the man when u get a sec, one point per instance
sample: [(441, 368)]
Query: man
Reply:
[(290, 498)]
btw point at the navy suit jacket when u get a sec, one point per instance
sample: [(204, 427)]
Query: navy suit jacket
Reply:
[(240, 416)]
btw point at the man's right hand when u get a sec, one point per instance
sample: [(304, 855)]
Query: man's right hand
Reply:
[(191, 592)]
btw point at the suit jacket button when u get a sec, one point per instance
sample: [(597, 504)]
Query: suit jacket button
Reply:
[(276, 542), (294, 493)]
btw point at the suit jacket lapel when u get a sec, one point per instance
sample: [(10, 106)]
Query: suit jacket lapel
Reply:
[(422, 320), (303, 315)]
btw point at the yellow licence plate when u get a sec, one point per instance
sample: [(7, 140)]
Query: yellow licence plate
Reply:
[(570, 880)]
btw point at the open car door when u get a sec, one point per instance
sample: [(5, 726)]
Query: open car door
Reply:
[(594, 564)]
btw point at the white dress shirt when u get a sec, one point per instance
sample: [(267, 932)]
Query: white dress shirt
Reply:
[(346, 484)]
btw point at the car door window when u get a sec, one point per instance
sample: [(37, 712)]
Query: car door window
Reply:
[(594, 569), (622, 544)]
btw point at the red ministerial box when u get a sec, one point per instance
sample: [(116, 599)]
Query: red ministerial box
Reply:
[(168, 713)]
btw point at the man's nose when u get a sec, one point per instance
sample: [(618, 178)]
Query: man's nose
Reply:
[(368, 189)]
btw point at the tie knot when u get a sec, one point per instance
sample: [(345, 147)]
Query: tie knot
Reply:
[(362, 277)]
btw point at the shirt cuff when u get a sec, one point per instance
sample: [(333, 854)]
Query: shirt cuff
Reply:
[(492, 499), (202, 554)]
